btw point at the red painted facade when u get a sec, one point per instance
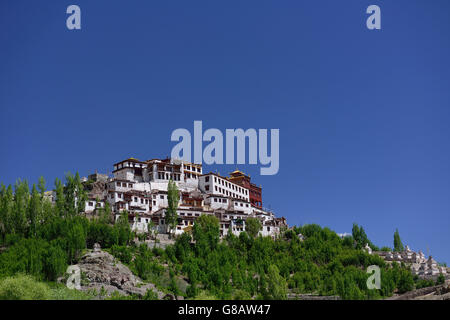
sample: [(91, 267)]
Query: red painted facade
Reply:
[(255, 192)]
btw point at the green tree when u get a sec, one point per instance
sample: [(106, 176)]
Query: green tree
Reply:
[(206, 233), (21, 199), (106, 216), (54, 262), (34, 211), (41, 186), (440, 279), (123, 230), (76, 240), (171, 215), (253, 226), (7, 222), (276, 284), (75, 195), (398, 245), (405, 281), (60, 201)]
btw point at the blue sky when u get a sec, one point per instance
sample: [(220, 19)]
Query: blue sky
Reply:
[(363, 115)]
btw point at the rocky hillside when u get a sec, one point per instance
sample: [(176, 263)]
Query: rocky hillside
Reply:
[(100, 269), (440, 292)]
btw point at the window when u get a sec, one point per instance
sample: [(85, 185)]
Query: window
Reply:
[(90, 204), (206, 179), (215, 199), (207, 188), (135, 199), (215, 179), (130, 185), (161, 197), (118, 184)]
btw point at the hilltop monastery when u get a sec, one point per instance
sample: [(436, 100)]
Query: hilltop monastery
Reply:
[(140, 188)]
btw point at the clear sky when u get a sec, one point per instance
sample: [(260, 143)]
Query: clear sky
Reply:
[(363, 115)]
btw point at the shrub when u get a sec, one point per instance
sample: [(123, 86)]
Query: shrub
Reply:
[(23, 287)]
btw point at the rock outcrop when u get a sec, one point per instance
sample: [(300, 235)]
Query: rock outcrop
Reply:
[(439, 292), (100, 270)]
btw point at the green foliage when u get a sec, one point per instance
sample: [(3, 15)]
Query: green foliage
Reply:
[(276, 284), (405, 281), (360, 237), (398, 245), (206, 233), (173, 197), (122, 230), (145, 264), (150, 295), (123, 253), (253, 226), (243, 267), (41, 239), (203, 295), (36, 257), (422, 283), (440, 279), (23, 287)]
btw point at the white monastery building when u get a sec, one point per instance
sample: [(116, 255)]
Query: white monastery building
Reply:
[(140, 189)]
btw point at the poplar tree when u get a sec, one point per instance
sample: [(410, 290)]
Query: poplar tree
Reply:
[(3, 213), (21, 198), (253, 226), (173, 196), (398, 245), (34, 211), (7, 211), (41, 186), (60, 198), (276, 284)]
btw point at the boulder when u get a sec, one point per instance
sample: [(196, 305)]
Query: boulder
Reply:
[(102, 270)]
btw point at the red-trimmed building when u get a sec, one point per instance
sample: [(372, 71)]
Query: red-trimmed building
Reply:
[(255, 192)]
